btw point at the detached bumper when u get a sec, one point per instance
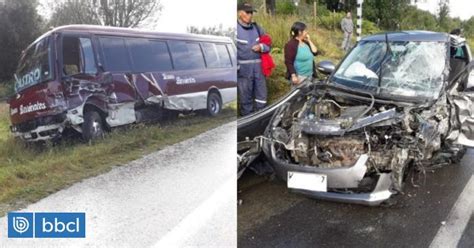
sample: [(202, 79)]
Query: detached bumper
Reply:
[(337, 178)]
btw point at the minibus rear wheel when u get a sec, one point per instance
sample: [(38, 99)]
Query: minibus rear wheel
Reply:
[(93, 126), (214, 104)]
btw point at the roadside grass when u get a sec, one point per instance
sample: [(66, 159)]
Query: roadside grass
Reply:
[(470, 41), (278, 27), (5, 91), (29, 173)]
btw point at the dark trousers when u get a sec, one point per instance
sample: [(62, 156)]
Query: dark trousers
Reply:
[(252, 88)]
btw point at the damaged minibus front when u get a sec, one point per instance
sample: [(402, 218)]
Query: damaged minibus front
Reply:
[(93, 78)]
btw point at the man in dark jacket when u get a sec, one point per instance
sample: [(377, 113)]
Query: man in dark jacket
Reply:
[(251, 81)]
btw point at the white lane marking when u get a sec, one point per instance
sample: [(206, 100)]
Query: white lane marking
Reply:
[(201, 215), (450, 233)]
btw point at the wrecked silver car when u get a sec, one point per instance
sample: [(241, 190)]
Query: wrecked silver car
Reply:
[(397, 101)]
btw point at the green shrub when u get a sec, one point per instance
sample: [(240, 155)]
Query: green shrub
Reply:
[(369, 28), (277, 84), (277, 26), (331, 21), (285, 7), (470, 42), (6, 90)]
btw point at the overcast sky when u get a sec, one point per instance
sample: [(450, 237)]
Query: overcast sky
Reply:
[(463, 9), (177, 15)]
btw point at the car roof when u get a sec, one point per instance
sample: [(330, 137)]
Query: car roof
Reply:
[(131, 32), (414, 35)]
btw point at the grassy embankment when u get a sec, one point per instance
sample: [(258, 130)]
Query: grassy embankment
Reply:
[(278, 27), (29, 173)]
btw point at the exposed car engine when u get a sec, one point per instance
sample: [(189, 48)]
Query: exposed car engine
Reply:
[(329, 129)]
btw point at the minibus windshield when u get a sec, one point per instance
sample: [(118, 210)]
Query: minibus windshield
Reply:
[(35, 65)]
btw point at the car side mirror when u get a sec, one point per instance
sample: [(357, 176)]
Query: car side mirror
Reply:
[(326, 67)]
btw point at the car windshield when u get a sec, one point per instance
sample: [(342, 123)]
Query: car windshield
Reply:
[(34, 66), (409, 68)]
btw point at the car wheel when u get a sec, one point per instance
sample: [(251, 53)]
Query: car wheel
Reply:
[(214, 104), (458, 155), (93, 126)]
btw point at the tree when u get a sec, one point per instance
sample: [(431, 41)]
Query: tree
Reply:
[(20, 25), (415, 18), (74, 12), (443, 14), (270, 6), (118, 13), (388, 14), (215, 30), (468, 27)]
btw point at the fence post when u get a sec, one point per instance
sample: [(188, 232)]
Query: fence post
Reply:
[(315, 13), (359, 19)]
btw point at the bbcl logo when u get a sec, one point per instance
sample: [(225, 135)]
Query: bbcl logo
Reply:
[(20, 225), (46, 225)]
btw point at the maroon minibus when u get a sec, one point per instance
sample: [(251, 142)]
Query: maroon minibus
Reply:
[(93, 78)]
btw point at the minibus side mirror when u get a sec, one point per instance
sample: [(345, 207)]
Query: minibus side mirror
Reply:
[(101, 67), (106, 78)]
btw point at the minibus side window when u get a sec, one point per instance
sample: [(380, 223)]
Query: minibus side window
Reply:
[(232, 52), (216, 55), (88, 56), (210, 54), (224, 58), (115, 54), (186, 55), (78, 56), (161, 55), (149, 56)]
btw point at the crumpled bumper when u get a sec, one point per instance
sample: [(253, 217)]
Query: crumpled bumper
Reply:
[(337, 178), (380, 194), (45, 132)]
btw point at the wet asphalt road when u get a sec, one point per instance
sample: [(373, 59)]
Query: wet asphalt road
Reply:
[(270, 216), (183, 195)]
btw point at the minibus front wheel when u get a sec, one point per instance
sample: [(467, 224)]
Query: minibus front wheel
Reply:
[(93, 126)]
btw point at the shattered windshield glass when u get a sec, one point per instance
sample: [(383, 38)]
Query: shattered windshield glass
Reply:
[(34, 66), (409, 68)]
